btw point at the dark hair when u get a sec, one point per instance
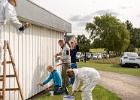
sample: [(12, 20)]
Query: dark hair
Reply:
[(60, 41)]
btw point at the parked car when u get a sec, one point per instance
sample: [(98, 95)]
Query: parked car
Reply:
[(105, 55), (88, 55), (97, 56), (130, 59), (78, 56)]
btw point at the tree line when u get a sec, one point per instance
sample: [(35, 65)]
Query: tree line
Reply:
[(110, 33)]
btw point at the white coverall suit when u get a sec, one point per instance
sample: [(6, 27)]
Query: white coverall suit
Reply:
[(90, 77), (7, 13)]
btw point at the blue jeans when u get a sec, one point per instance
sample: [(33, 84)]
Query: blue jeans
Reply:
[(58, 91), (72, 79)]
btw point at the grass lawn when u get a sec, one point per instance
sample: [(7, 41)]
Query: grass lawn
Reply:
[(110, 67), (99, 93)]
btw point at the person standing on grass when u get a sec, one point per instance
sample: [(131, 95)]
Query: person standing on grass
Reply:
[(56, 79), (89, 76), (66, 60), (8, 13), (74, 48)]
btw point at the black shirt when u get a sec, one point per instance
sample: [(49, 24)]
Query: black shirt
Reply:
[(73, 54)]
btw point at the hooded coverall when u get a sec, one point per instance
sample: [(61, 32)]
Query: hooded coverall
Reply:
[(7, 13), (90, 77)]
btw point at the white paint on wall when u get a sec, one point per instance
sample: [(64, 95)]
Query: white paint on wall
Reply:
[(32, 51)]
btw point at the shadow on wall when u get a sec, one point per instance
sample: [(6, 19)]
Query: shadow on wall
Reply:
[(39, 73)]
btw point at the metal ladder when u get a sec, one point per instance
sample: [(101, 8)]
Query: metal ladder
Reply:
[(4, 76)]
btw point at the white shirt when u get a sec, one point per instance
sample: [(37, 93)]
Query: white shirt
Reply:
[(8, 13), (86, 75)]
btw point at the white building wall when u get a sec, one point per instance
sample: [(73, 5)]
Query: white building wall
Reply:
[(32, 50)]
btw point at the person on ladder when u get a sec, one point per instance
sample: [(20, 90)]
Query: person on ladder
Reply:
[(8, 14)]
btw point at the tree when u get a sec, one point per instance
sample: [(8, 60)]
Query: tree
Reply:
[(109, 33), (83, 43), (134, 37)]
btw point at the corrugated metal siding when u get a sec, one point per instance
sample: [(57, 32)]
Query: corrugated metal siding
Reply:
[(32, 50)]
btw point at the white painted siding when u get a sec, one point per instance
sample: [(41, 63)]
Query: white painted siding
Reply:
[(32, 50)]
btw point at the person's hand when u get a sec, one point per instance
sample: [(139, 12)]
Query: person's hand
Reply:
[(58, 58), (80, 91), (59, 88), (55, 56), (27, 25), (41, 84), (58, 64), (75, 42), (73, 93)]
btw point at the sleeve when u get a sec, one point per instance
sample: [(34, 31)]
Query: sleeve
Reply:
[(75, 85), (86, 82), (58, 78), (66, 55), (77, 48), (11, 17), (48, 80), (59, 53)]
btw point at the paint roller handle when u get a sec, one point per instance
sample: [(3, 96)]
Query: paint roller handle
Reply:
[(59, 64), (41, 84)]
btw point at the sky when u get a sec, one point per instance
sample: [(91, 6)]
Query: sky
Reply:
[(79, 12)]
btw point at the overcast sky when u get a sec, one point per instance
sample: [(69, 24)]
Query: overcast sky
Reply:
[(79, 12)]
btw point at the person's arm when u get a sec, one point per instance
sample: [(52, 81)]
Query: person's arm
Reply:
[(86, 82), (66, 55), (77, 47), (11, 17), (48, 80), (59, 53), (75, 85)]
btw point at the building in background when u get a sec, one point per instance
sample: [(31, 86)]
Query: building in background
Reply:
[(34, 48), (69, 38)]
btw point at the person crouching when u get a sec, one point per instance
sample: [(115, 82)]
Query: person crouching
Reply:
[(56, 79), (89, 76)]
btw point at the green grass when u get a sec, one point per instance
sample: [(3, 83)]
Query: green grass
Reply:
[(97, 50), (99, 93), (114, 60), (111, 68)]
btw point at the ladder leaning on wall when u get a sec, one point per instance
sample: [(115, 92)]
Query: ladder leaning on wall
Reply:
[(3, 77)]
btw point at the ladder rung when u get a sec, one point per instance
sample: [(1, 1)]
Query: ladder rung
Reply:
[(10, 89), (1, 79), (9, 76), (8, 62)]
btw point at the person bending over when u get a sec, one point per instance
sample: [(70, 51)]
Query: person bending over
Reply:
[(89, 76)]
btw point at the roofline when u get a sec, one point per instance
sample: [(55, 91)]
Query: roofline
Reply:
[(39, 24), (47, 10)]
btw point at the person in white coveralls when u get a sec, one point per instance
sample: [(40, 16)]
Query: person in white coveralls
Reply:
[(89, 76), (8, 14)]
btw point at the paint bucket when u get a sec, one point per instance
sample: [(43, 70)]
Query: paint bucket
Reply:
[(51, 93), (68, 97)]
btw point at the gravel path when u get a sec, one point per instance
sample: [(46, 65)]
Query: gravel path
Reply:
[(125, 86)]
